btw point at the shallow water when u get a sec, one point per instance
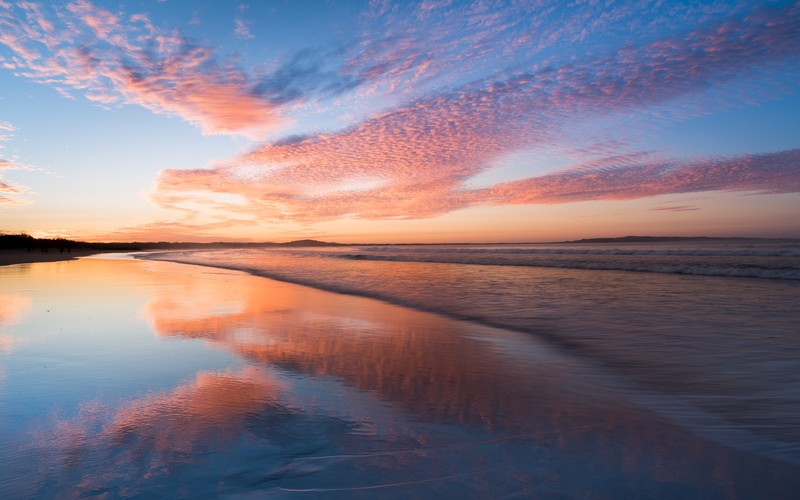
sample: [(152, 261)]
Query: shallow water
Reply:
[(142, 378)]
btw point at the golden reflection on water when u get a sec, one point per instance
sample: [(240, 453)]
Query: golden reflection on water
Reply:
[(13, 309), (350, 390)]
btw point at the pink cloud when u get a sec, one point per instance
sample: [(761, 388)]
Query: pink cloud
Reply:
[(6, 188), (676, 208), (188, 228), (113, 60), (116, 58), (242, 30), (119, 58), (10, 192), (764, 173), (420, 155)]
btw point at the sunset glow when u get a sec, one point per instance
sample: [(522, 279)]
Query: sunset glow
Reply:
[(382, 122)]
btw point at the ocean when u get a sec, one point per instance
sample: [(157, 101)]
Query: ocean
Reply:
[(704, 332)]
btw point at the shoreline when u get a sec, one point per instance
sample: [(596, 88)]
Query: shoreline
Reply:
[(11, 257)]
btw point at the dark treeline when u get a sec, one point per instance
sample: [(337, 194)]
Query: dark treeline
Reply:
[(27, 242)]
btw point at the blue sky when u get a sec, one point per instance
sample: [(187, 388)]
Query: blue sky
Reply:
[(381, 121)]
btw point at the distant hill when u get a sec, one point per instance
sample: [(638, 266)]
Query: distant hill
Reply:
[(310, 243)]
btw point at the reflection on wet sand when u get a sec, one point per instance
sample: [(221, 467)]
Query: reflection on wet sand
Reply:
[(340, 396), (13, 308), (152, 436), (445, 371), (212, 407), (428, 364)]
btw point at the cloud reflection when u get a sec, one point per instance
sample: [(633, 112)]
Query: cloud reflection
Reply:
[(212, 407), (13, 309)]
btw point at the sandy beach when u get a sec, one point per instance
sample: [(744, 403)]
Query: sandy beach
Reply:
[(8, 257)]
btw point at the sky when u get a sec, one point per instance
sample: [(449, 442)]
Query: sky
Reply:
[(435, 121)]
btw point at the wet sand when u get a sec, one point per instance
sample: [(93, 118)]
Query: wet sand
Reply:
[(135, 378)]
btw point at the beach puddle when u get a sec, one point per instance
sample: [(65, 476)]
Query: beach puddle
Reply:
[(134, 378)]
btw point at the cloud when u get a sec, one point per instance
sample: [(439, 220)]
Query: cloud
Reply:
[(676, 208), (242, 30), (188, 228), (7, 188), (115, 59), (764, 173), (417, 157), (10, 192)]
